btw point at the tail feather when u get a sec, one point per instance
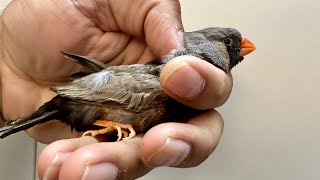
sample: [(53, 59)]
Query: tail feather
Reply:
[(26, 124), (46, 112)]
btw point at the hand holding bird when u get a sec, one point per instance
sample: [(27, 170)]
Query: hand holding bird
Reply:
[(31, 63), (129, 97)]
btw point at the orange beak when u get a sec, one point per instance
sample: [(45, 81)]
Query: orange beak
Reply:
[(246, 47)]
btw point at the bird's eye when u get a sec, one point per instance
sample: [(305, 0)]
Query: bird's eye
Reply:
[(227, 41)]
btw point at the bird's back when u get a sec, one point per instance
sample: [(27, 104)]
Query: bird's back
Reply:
[(125, 94)]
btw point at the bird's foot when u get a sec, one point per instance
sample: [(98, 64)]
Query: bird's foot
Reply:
[(111, 126)]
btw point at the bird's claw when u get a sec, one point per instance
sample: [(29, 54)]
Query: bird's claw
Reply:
[(131, 135), (111, 126)]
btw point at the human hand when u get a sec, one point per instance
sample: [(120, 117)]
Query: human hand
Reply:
[(115, 32)]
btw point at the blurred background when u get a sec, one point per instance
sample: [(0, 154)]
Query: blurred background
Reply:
[(272, 118)]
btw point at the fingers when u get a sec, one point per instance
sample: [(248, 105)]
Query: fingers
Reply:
[(84, 158), (155, 21), (195, 82), (161, 27), (182, 145), (168, 144), (53, 156)]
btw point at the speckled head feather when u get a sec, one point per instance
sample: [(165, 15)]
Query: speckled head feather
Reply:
[(219, 46)]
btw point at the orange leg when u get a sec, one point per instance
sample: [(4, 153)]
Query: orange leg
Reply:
[(111, 126)]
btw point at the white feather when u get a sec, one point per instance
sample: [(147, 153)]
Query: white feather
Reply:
[(97, 81)]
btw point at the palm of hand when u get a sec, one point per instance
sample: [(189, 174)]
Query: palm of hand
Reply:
[(33, 37)]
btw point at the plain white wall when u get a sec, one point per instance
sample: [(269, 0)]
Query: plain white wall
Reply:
[(17, 157), (3, 4), (272, 117)]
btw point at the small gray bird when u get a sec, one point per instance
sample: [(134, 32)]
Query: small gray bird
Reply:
[(128, 99)]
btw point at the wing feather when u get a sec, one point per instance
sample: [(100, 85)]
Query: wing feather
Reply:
[(133, 86)]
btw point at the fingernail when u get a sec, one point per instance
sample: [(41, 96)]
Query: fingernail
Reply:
[(184, 81), (52, 172), (101, 171), (172, 153)]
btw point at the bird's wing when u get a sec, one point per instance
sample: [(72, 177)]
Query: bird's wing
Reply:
[(90, 65), (131, 86)]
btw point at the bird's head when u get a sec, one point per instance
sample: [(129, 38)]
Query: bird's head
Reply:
[(222, 47)]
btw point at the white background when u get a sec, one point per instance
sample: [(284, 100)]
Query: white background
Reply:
[(272, 118)]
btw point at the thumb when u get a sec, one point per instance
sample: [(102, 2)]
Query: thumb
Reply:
[(195, 82)]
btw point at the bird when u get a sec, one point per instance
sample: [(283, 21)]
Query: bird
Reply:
[(126, 100)]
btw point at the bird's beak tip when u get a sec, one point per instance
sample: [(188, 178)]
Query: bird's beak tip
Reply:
[(246, 47)]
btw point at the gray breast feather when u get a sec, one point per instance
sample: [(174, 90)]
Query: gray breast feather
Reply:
[(133, 90)]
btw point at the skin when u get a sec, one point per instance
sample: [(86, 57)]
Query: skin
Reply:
[(115, 32)]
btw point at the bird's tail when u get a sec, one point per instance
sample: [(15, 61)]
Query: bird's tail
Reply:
[(45, 113)]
